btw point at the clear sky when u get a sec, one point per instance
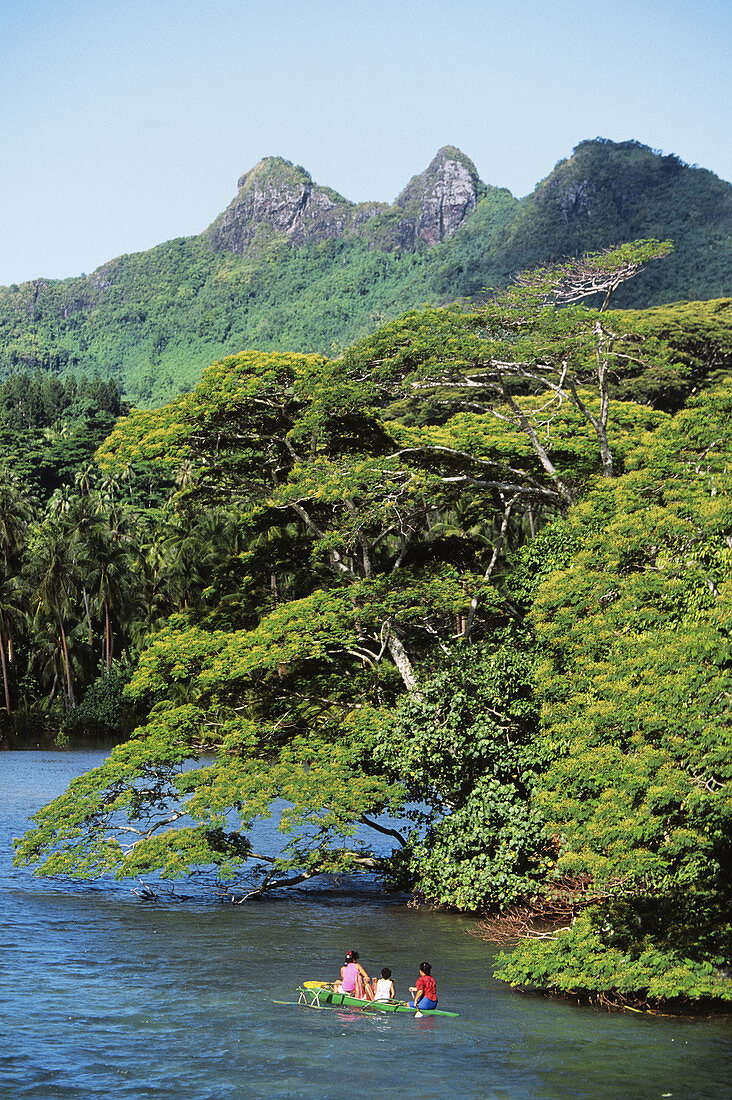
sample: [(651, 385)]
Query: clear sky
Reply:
[(125, 123)]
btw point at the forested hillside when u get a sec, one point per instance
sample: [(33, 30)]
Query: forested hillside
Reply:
[(475, 572), (292, 266)]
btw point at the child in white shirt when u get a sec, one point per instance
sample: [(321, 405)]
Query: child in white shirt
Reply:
[(384, 988)]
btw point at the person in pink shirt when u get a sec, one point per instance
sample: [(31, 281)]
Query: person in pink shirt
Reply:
[(354, 979)]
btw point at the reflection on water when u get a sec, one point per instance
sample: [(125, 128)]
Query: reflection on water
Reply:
[(105, 995)]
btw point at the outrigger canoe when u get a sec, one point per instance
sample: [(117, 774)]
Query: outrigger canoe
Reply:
[(318, 994)]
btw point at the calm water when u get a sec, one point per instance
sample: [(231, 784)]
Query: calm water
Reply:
[(104, 995)]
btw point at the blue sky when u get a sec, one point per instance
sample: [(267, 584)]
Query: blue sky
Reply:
[(125, 123)]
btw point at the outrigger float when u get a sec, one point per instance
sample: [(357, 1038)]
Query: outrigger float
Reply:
[(321, 994)]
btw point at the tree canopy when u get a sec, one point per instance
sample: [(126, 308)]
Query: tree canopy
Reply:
[(450, 577)]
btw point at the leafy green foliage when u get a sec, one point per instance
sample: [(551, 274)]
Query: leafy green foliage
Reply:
[(103, 712), (118, 817), (640, 615), (580, 962), (466, 750), (635, 686), (50, 429), (699, 338)]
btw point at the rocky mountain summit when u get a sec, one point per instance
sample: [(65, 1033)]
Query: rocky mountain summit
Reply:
[(277, 196), (439, 200), (293, 265)]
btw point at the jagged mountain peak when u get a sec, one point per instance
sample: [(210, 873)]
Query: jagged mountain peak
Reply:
[(279, 197), (619, 179), (273, 171), (441, 197), (448, 158)]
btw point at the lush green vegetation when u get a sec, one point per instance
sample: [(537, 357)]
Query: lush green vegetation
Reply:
[(152, 321), (609, 191), (633, 632), (474, 573), (50, 428)]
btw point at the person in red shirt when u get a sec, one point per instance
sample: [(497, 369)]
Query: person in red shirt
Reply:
[(425, 991)]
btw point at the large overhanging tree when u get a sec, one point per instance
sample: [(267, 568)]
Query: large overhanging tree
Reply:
[(377, 497), (635, 681)]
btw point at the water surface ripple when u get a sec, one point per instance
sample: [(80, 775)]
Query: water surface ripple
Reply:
[(106, 996)]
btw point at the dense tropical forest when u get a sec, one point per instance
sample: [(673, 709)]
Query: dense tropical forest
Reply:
[(291, 266), (473, 573)]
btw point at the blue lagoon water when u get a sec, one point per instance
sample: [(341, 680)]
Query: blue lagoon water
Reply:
[(104, 995)]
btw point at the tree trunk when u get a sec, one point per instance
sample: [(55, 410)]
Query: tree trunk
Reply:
[(67, 666), (401, 660), (491, 564), (602, 373), (88, 615), (539, 451), (5, 671), (108, 636)]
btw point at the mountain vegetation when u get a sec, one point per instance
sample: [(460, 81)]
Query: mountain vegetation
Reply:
[(473, 573), (50, 428), (292, 266)]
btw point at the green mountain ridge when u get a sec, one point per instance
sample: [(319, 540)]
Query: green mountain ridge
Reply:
[(293, 265)]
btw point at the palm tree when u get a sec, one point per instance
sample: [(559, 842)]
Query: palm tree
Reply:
[(55, 574), (108, 582), (15, 511), (102, 545), (84, 479), (15, 515), (11, 614), (149, 591)]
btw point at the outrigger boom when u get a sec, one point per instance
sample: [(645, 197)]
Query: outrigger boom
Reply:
[(320, 994)]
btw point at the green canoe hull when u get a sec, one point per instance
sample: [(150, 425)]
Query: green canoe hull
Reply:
[(324, 996)]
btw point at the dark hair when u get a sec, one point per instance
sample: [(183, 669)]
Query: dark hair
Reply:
[(425, 968), (352, 957), (385, 972)]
